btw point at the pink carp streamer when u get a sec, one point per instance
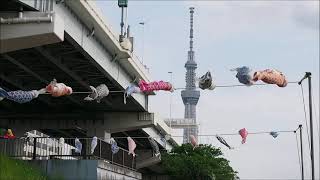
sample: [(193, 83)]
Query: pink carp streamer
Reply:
[(194, 142), (132, 146), (58, 89), (270, 76), (243, 133), (155, 86)]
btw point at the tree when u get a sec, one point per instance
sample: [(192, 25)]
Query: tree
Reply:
[(202, 163)]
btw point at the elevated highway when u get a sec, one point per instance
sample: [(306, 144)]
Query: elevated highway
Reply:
[(70, 41)]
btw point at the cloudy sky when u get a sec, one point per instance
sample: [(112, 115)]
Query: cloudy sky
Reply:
[(279, 35)]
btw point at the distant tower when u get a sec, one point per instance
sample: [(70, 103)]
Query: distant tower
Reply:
[(190, 95)]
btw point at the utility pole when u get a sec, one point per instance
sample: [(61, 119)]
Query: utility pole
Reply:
[(308, 75), (301, 152)]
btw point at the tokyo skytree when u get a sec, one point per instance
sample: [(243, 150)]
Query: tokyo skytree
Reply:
[(190, 95)]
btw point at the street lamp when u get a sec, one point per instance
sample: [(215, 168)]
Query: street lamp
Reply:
[(142, 24), (122, 4)]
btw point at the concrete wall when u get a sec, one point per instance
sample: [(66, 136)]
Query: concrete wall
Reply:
[(108, 171), (156, 177), (86, 169)]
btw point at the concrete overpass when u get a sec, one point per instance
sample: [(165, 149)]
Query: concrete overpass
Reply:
[(69, 40)]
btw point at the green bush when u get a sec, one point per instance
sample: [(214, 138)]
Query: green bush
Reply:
[(202, 163), (12, 169)]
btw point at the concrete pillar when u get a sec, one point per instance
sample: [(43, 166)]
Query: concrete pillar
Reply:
[(100, 133), (146, 158)]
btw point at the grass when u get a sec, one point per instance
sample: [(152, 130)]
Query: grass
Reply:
[(13, 169)]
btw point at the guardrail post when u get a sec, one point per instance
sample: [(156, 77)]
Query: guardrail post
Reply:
[(111, 153), (123, 158), (100, 149), (34, 148), (132, 162), (112, 160)]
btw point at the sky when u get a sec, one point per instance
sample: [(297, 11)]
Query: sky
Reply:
[(282, 35)]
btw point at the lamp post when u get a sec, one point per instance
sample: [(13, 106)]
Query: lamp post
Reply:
[(142, 24), (122, 4), (308, 75), (301, 153)]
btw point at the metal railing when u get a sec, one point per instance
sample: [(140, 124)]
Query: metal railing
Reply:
[(45, 148), (181, 123)]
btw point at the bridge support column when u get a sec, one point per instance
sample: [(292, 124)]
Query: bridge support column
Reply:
[(146, 158), (100, 133)]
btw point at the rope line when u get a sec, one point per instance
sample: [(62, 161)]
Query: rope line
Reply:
[(214, 135), (241, 85), (88, 92), (305, 116), (218, 86)]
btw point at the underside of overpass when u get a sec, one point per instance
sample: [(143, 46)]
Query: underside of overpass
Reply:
[(13, 5), (79, 60), (34, 68), (67, 61)]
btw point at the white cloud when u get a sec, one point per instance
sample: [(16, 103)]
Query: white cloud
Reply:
[(226, 18), (307, 15)]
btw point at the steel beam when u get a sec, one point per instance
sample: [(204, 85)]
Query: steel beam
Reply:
[(26, 69), (18, 85), (60, 65), (20, 65), (65, 69), (101, 59)]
